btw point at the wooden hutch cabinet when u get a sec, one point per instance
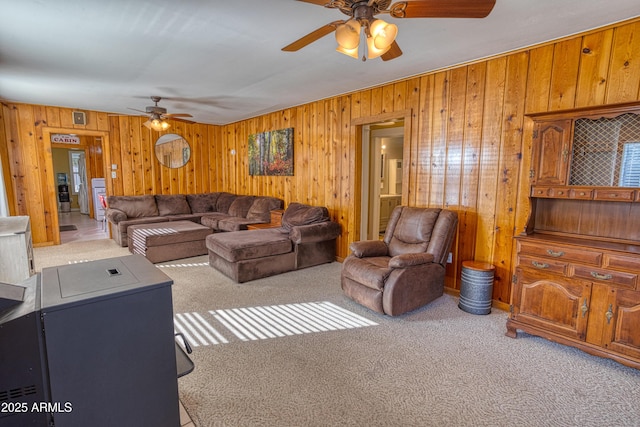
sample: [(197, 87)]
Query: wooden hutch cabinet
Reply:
[(577, 271)]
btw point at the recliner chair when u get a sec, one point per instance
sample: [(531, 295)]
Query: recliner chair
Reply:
[(406, 269)]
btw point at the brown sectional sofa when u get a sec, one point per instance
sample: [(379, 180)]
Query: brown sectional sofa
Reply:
[(307, 238), (220, 211)]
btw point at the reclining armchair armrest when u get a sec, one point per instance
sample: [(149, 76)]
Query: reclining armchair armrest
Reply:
[(367, 248), (313, 233), (408, 260), (115, 215)]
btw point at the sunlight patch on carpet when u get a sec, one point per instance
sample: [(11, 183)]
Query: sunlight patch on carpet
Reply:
[(265, 322), (188, 264)]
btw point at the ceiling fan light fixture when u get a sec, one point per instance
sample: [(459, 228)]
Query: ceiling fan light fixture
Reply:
[(348, 34), (157, 124), (383, 34), (349, 52), (373, 51)]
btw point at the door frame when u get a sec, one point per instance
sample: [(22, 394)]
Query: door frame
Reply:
[(49, 177), (358, 127)]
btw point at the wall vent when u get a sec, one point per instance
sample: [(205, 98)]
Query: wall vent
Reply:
[(79, 118)]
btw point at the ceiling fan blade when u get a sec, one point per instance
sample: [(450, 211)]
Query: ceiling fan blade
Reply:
[(442, 8), (318, 2), (135, 109), (177, 115), (312, 36), (177, 119), (393, 52)]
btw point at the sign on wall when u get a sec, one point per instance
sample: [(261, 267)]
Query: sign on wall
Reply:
[(60, 138)]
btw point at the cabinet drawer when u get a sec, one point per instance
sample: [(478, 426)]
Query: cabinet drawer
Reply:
[(537, 191), (616, 194), (559, 193), (581, 193), (605, 276), (542, 264), (622, 262), (561, 253)]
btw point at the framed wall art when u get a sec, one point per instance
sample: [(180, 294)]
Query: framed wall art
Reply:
[(271, 153)]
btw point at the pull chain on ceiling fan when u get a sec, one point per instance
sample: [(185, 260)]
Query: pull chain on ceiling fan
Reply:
[(377, 37)]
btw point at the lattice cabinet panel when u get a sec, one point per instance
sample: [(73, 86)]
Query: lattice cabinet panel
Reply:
[(606, 152)]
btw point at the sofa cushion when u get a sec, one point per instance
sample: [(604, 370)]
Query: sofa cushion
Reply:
[(240, 206), (242, 245), (211, 219), (134, 206), (172, 204), (202, 203), (224, 202), (300, 214), (234, 223), (261, 208)]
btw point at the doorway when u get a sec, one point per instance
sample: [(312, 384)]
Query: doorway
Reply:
[(76, 163), (382, 175), (69, 167)]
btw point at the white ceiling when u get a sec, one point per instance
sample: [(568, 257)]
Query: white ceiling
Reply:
[(221, 60)]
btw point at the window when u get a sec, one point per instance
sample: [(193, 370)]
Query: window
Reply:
[(630, 168), (74, 167)]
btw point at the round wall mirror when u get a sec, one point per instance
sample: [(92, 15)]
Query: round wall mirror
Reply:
[(172, 150)]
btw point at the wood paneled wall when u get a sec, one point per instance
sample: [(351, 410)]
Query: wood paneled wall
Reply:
[(468, 145)]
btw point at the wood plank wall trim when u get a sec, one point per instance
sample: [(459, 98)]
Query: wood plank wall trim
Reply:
[(468, 147)]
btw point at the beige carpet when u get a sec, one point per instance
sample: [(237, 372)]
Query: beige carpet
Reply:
[(435, 366)]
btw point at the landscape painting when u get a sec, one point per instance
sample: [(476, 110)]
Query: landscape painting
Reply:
[(271, 153)]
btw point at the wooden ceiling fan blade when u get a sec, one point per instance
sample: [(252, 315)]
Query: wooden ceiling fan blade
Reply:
[(318, 2), (393, 52), (177, 115), (312, 36), (177, 119), (442, 8)]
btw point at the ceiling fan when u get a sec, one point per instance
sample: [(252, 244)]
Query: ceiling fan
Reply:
[(379, 36), (157, 116)]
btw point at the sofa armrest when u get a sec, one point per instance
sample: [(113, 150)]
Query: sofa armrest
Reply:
[(313, 233), (367, 248), (408, 260), (115, 215)]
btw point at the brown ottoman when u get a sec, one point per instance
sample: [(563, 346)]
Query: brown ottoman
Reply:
[(166, 241)]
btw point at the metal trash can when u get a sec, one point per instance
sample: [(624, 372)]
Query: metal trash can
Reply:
[(476, 288)]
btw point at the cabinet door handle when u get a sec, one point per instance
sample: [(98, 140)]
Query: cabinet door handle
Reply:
[(554, 253), (584, 308), (540, 264), (609, 314), (599, 276)]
